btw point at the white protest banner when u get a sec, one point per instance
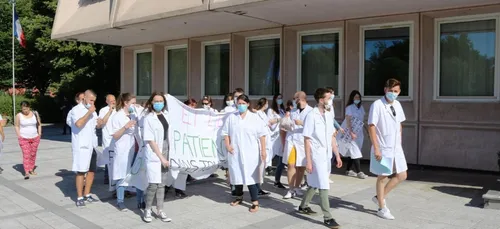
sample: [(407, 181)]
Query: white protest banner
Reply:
[(197, 147)]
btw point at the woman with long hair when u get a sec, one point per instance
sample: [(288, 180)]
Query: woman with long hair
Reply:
[(206, 101), (275, 114), (122, 146), (191, 103), (156, 136), (260, 109), (245, 141), (29, 130), (228, 105), (351, 141)]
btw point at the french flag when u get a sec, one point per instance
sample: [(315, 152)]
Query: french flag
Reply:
[(18, 31)]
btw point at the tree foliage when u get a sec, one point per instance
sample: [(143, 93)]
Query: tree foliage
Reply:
[(61, 67)]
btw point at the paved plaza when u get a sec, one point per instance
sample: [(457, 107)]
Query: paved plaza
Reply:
[(430, 199)]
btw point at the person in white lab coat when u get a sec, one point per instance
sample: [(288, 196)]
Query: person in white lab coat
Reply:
[(385, 128), (228, 106), (245, 140), (206, 102), (156, 137), (106, 113), (319, 142), (83, 121), (294, 154), (262, 106), (233, 108), (277, 112), (122, 147), (351, 142)]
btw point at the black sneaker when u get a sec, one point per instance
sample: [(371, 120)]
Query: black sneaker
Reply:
[(89, 199), (279, 185), (180, 194), (264, 193), (307, 211), (331, 223), (80, 203)]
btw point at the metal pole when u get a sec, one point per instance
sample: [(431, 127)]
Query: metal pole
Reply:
[(13, 62)]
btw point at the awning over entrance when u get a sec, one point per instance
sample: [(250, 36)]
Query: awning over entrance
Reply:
[(132, 22)]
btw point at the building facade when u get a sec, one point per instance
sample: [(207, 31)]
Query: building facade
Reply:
[(444, 53)]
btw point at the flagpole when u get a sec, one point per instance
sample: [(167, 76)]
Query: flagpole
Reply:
[(13, 61)]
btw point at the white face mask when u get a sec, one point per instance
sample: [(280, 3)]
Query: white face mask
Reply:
[(207, 107), (329, 104), (229, 103)]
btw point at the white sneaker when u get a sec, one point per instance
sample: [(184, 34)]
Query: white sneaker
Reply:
[(351, 173), (330, 181), (298, 192), (163, 216), (147, 216), (375, 201), (361, 175), (385, 214), (289, 194)]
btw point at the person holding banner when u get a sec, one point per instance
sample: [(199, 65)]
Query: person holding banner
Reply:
[(387, 156), (245, 141), (156, 140), (351, 141), (206, 101), (319, 142), (277, 112), (294, 154), (122, 145)]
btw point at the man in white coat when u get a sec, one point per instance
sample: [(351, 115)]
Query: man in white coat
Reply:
[(83, 121), (319, 142), (294, 154), (106, 113), (387, 156)]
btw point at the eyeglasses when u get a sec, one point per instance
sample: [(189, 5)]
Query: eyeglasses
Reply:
[(205, 103), (393, 111)]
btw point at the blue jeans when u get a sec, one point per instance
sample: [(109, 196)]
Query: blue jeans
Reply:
[(279, 170), (120, 191)]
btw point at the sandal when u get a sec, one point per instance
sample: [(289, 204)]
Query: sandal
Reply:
[(27, 176), (254, 208), (33, 173), (237, 201)]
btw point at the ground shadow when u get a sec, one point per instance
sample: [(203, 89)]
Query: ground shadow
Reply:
[(83, 3), (67, 185), (20, 168), (474, 194), (53, 132)]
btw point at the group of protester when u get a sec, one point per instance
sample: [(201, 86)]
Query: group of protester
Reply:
[(304, 139)]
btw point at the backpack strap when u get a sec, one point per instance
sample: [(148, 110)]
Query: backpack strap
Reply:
[(37, 117)]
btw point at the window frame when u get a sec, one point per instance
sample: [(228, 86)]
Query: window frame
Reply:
[(139, 51), (437, 58), (247, 61), (203, 45), (166, 76), (403, 24), (340, 31)]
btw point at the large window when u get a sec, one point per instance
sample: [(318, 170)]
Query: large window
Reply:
[(216, 69), (177, 71), (263, 67), (387, 53), (143, 68), (319, 62), (466, 59)]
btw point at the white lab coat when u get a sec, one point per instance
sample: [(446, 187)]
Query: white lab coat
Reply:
[(122, 151), (275, 141), (138, 173), (294, 138), (106, 136), (352, 149), (153, 131), (84, 140), (228, 109), (244, 163), (388, 131), (269, 152), (319, 128)]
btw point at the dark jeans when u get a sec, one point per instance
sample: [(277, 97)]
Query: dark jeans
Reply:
[(65, 126), (237, 191), (279, 170), (356, 163), (106, 175)]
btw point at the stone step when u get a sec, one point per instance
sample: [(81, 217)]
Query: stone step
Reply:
[(492, 200)]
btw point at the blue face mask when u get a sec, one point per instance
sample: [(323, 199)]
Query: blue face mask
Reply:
[(242, 108), (130, 110), (279, 101), (158, 106), (87, 105), (357, 101), (332, 97), (391, 96)]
